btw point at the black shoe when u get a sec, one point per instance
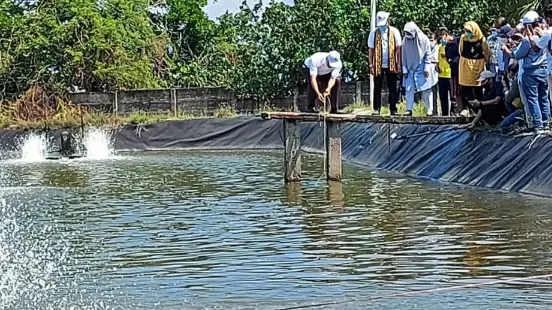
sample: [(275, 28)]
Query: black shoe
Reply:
[(311, 110), (393, 113), (376, 113), (408, 113)]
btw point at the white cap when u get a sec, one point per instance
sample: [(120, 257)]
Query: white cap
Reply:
[(486, 75), (381, 18), (519, 27), (334, 59), (530, 17)]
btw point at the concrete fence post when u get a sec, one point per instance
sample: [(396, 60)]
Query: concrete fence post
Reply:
[(358, 92), (173, 102), (296, 99), (116, 104)]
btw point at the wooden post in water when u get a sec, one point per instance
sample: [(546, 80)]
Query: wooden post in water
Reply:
[(292, 151), (333, 151)]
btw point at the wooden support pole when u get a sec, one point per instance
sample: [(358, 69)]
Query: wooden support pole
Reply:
[(292, 151), (333, 151)]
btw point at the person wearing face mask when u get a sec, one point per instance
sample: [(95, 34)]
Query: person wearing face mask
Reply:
[(535, 74), (453, 58), (384, 57), (502, 57), (474, 53), (494, 44), (434, 72), (416, 67), (445, 74)]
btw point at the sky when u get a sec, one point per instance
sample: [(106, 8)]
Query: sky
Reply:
[(215, 9)]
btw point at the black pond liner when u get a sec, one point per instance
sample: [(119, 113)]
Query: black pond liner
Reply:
[(441, 152)]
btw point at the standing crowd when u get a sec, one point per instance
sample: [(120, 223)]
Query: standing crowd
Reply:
[(503, 79)]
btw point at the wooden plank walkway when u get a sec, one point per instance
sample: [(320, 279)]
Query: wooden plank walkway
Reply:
[(292, 136), (359, 118)]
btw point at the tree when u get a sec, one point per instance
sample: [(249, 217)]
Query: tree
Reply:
[(83, 44)]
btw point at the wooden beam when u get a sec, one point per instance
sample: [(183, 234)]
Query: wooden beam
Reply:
[(352, 118), (333, 151), (292, 151)]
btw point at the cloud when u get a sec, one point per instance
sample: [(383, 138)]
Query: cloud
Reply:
[(216, 9)]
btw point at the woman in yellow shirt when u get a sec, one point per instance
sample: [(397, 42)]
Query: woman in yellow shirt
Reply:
[(444, 76), (474, 53)]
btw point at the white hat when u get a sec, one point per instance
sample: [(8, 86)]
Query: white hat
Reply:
[(486, 75), (334, 59), (519, 27), (381, 18), (530, 17)]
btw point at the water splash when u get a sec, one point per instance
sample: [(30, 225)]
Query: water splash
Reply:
[(33, 147), (98, 144), (29, 258), (35, 260)]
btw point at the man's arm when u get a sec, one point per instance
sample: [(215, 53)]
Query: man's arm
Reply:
[(336, 73), (522, 50), (314, 84)]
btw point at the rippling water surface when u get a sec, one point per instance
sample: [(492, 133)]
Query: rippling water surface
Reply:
[(220, 230)]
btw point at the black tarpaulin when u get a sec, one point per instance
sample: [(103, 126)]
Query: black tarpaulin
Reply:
[(485, 159)]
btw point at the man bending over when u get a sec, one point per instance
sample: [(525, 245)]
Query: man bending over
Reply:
[(323, 69)]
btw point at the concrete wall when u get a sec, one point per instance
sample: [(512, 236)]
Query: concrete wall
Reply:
[(204, 101)]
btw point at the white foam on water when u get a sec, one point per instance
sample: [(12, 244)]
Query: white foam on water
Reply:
[(35, 262), (98, 144), (33, 148)]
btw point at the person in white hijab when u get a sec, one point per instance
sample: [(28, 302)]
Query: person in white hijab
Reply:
[(416, 63)]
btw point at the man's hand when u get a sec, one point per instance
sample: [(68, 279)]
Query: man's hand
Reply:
[(538, 32), (320, 97), (529, 31), (426, 74), (326, 93), (372, 70)]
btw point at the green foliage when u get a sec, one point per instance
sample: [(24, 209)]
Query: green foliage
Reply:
[(81, 44), (128, 44)]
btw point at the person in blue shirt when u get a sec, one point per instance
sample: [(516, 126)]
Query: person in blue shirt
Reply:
[(503, 58), (535, 73)]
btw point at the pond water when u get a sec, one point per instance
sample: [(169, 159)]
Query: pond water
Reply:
[(220, 230)]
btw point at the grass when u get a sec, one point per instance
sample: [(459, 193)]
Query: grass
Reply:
[(17, 115), (364, 108)]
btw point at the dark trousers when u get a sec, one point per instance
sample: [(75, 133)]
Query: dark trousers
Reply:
[(392, 79), (455, 98), (322, 81), (470, 93), (444, 91), (435, 92)]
